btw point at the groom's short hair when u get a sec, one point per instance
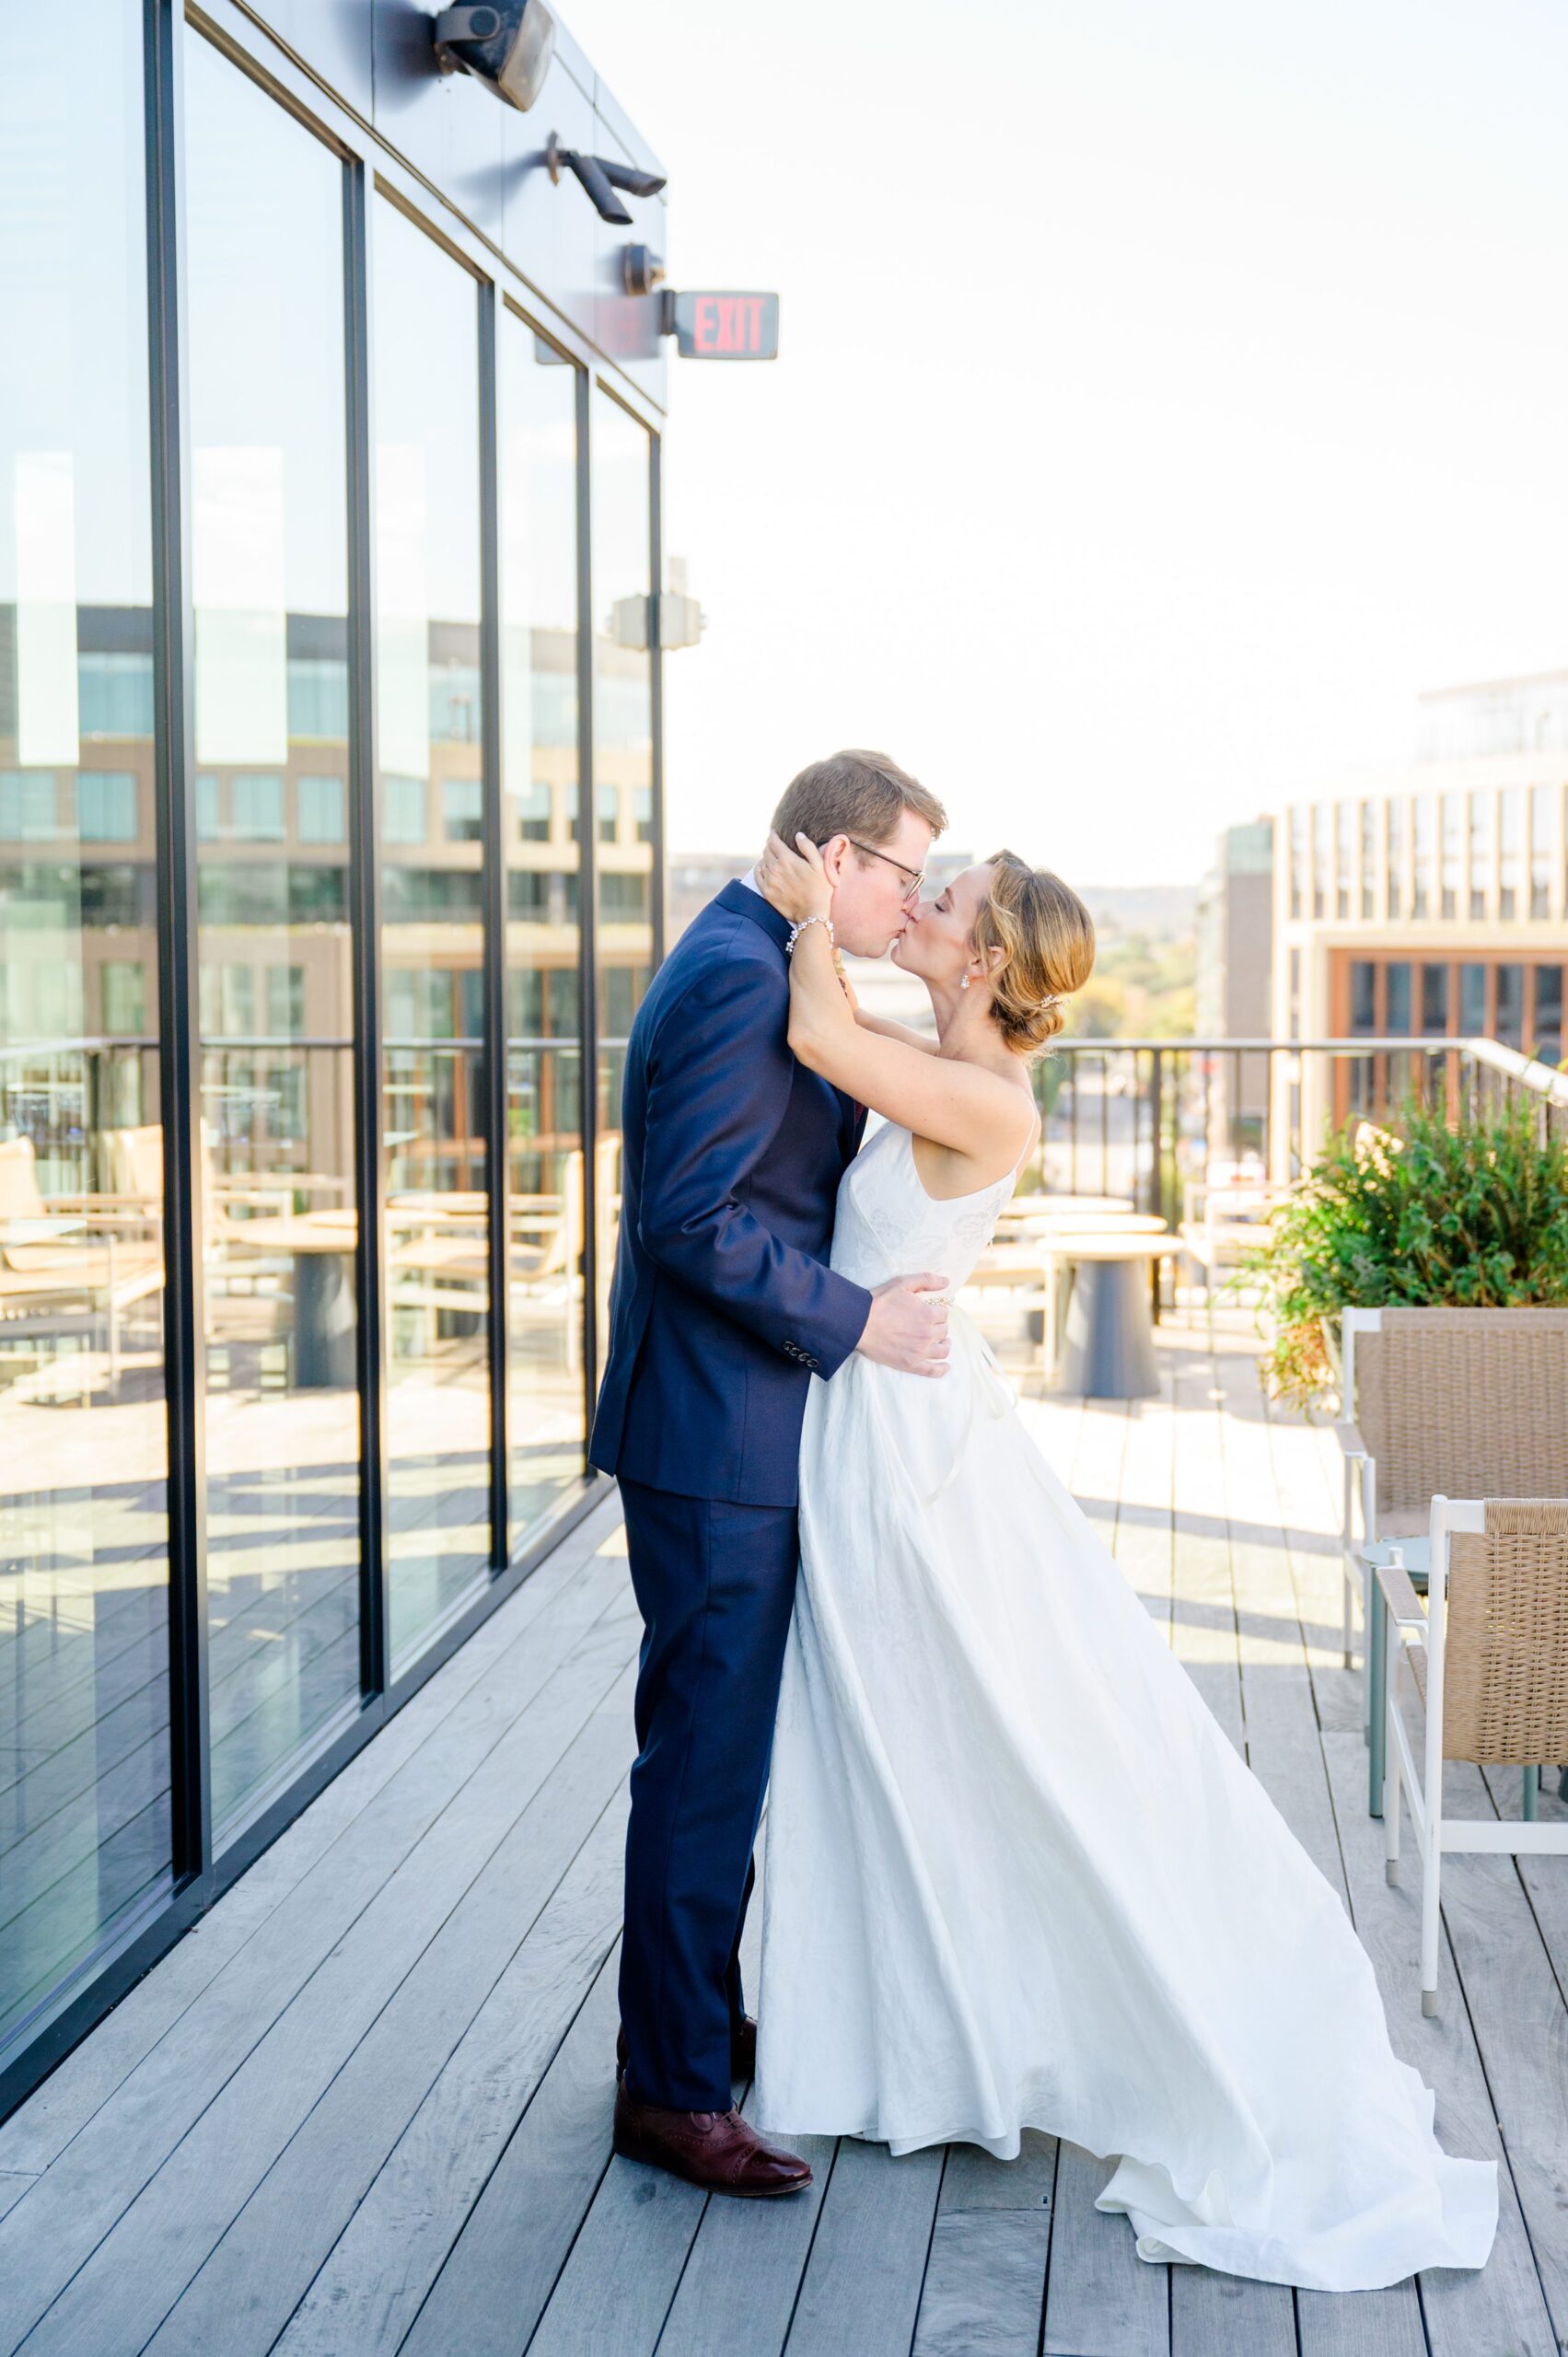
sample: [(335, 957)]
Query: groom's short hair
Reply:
[(853, 793)]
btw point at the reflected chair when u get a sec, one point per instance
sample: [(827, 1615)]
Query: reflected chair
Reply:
[(1488, 1658), (545, 1258), (77, 1258)]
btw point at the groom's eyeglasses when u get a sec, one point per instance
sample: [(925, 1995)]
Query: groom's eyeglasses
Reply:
[(912, 890)]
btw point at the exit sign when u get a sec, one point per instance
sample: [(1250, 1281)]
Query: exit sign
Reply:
[(724, 327)]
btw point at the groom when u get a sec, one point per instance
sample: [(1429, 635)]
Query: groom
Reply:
[(722, 1307)]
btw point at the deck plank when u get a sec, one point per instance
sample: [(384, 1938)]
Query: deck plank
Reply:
[(491, 2291), (984, 2287), (1101, 2299), (862, 2285)]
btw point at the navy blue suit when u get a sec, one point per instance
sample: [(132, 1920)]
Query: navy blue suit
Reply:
[(722, 1308)]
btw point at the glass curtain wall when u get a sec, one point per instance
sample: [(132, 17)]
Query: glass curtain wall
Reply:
[(270, 571), (624, 784), (435, 1243), (272, 1493), (85, 1824), (538, 434)]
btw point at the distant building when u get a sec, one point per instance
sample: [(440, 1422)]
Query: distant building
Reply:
[(1234, 957), (1434, 903)]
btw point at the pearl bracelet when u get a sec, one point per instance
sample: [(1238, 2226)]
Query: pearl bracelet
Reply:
[(796, 930)]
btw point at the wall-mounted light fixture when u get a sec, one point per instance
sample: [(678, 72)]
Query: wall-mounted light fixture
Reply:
[(508, 46), (601, 176), (641, 270)]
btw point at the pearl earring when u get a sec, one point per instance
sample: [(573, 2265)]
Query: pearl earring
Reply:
[(965, 983)]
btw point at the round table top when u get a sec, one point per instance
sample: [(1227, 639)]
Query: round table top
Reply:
[(330, 1231), (1100, 1245)]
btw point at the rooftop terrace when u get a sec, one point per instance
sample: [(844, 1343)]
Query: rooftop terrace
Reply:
[(364, 2106)]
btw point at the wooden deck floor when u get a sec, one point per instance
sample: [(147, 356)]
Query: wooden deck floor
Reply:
[(364, 2106)]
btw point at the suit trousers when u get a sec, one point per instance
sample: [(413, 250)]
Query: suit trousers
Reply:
[(715, 1583)]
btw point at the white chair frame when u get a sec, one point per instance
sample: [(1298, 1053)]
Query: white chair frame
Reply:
[(1435, 1833)]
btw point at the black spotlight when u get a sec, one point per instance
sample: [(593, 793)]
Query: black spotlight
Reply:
[(510, 46), (601, 176)]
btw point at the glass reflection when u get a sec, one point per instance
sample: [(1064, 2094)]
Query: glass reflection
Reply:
[(84, 1570), (270, 570), (623, 779), (544, 1131), (436, 1243)]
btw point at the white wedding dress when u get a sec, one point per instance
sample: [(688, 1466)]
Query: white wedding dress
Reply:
[(1017, 1876)]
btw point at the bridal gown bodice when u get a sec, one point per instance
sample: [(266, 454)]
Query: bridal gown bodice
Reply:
[(1016, 1875)]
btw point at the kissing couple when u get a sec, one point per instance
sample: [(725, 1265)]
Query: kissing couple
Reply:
[(1016, 1873)]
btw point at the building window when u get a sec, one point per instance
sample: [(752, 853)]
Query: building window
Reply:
[(1482, 810), (84, 1511), (1368, 859), (1423, 884), (533, 814), (608, 805), (318, 697), (403, 809), (321, 814), (257, 806), (27, 806), (1511, 830), (114, 694), (1510, 1018), (642, 812), (425, 363), (124, 999), (1393, 848), (1453, 852), (1363, 994), (1541, 798), (1322, 857), (462, 809), (1298, 857), (286, 1001), (1472, 1000), (1398, 989), (106, 805), (1546, 1022), (1434, 1000)]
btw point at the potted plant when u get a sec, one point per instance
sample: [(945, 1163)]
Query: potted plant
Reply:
[(1473, 1216)]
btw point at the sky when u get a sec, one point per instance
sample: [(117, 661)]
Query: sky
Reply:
[(1168, 393)]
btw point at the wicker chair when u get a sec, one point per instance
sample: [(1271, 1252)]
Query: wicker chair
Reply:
[(1488, 1657), (1469, 1401)]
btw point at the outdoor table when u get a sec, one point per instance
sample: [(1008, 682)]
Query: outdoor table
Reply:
[(322, 1245), (1109, 1345)]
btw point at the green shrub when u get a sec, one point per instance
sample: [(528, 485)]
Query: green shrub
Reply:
[(1472, 1217)]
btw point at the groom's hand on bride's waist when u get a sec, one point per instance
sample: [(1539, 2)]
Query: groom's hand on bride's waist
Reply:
[(908, 1325)]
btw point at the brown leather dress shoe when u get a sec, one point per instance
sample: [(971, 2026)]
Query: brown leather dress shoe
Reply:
[(717, 2150), (742, 2049)]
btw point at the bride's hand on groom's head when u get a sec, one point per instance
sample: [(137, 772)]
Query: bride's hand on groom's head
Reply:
[(794, 880)]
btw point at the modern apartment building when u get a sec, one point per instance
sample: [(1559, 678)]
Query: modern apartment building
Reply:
[(1431, 903)]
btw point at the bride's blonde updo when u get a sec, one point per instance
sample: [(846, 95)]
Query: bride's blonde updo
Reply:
[(1047, 939)]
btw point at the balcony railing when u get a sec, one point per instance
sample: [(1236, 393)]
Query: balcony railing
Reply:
[(1145, 1120)]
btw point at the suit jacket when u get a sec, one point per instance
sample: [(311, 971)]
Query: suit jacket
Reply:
[(723, 1305)]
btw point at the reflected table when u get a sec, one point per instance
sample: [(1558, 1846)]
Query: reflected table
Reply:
[(322, 1245)]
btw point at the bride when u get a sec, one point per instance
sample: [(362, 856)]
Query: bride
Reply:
[(1016, 1875)]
